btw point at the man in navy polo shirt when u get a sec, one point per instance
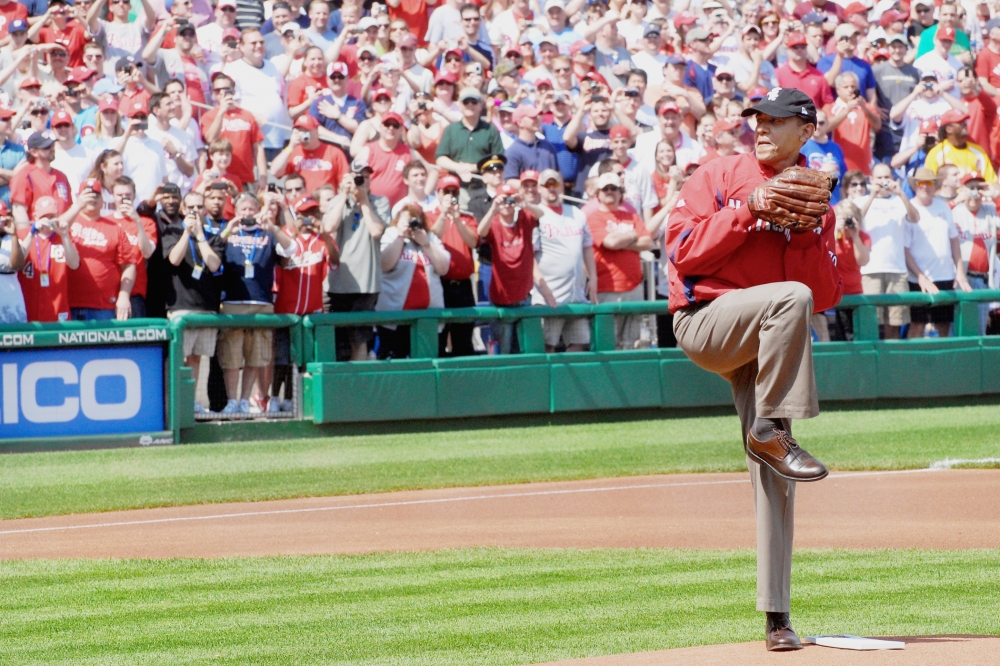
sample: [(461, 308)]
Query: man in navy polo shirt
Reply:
[(338, 113), (528, 152), (699, 71)]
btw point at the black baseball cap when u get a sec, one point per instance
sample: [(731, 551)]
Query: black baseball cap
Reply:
[(784, 103)]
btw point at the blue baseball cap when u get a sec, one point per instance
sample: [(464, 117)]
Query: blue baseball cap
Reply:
[(674, 59), (18, 25)]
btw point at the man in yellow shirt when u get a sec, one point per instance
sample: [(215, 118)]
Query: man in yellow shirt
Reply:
[(955, 148)]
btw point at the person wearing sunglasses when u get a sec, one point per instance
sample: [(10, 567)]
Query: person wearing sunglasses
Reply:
[(464, 144), (318, 162), (63, 30), (120, 35), (821, 149), (742, 297), (239, 126), (388, 156)]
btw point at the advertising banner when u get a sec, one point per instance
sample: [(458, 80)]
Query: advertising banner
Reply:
[(81, 391)]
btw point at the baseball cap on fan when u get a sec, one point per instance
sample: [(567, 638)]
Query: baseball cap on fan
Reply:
[(785, 103)]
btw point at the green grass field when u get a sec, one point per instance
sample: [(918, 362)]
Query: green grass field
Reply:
[(39, 484), (465, 607)]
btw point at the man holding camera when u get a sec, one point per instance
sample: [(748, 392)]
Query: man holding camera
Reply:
[(885, 211), (459, 234), (356, 220), (528, 152), (239, 126), (49, 252), (862, 118), (192, 259), (142, 235), (38, 179), (318, 163)]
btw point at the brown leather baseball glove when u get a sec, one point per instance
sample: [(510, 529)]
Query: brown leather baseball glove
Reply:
[(795, 199)]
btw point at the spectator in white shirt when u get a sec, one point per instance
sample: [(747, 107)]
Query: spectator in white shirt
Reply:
[(121, 36), (649, 58), (144, 160), (977, 223), (210, 34), (933, 255), (940, 61), (71, 158), (261, 90), (929, 100), (181, 153)]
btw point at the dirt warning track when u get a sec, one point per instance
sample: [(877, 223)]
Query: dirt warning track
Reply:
[(908, 509)]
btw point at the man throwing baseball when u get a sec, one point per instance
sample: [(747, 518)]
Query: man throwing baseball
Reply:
[(749, 239)]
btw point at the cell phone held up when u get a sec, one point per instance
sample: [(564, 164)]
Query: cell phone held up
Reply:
[(248, 222)]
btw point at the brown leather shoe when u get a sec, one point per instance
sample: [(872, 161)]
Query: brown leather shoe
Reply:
[(784, 455), (780, 635)]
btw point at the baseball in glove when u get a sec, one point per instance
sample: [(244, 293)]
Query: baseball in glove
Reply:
[(795, 199)]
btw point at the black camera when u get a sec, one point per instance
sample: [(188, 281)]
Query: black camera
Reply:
[(422, 106), (510, 201), (631, 92), (599, 98), (72, 92), (857, 92), (271, 187), (359, 180), (248, 222), (594, 87), (142, 126), (928, 85), (849, 223), (416, 223)]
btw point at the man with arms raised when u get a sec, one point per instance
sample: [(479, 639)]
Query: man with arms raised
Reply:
[(742, 292)]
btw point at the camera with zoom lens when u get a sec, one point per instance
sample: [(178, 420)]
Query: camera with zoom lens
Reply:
[(359, 180), (849, 223), (416, 223), (422, 106), (510, 201)]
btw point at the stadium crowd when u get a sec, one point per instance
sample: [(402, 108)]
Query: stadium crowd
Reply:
[(161, 158)]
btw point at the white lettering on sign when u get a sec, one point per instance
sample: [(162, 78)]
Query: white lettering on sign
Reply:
[(128, 335), (71, 406), (17, 339)]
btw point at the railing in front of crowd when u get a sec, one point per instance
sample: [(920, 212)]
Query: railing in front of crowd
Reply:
[(124, 383)]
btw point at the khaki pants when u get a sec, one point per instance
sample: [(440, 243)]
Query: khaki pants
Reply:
[(758, 340), (628, 328)]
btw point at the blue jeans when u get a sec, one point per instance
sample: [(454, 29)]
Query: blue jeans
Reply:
[(91, 314), (506, 333), (984, 308)]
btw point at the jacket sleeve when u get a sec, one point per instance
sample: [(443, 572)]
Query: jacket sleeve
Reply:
[(809, 260), (702, 232)]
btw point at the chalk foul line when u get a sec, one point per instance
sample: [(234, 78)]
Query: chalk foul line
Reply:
[(948, 463), (438, 500)]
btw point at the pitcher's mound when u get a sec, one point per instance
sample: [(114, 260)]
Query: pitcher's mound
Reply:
[(919, 651)]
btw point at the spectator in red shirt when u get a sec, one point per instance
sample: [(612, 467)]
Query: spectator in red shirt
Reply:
[(238, 125), (317, 162), (65, 30), (10, 11), (852, 120), (619, 236), (130, 75), (38, 179), (799, 73), (309, 87), (142, 235), (507, 229), (102, 286), (49, 256), (982, 110), (460, 236), (414, 12), (388, 156)]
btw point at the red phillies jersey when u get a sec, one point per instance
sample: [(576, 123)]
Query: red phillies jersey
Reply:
[(414, 12), (854, 136), (104, 249), (300, 280), (461, 265), (324, 166), (713, 243), (617, 270), (847, 264), (9, 12), (387, 170), (45, 256), (300, 89), (31, 183), (242, 130), (128, 100), (513, 259), (74, 38), (131, 233)]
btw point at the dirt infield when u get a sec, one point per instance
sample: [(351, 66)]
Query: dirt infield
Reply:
[(919, 651), (912, 509)]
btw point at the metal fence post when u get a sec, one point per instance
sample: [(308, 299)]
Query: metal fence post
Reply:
[(865, 323), (424, 338)]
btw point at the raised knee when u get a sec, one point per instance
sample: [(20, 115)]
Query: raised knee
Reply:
[(799, 295)]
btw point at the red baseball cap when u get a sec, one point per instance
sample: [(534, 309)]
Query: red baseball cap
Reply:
[(6, 113), (446, 76), (337, 68), (760, 92), (667, 107), (881, 53), (80, 75), (929, 126), (107, 103), (795, 39), (855, 8), (684, 18), (507, 190), (529, 175), (392, 115), (61, 118), (90, 184), (305, 203), (137, 108), (620, 131), (29, 82), (891, 16), (945, 33), (381, 92), (973, 175), (543, 82), (231, 33), (953, 116), (306, 122), (726, 125), (45, 207), (448, 182), (524, 111)]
